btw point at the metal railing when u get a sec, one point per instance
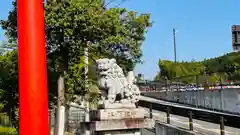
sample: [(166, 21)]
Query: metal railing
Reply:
[(223, 100), (190, 120)]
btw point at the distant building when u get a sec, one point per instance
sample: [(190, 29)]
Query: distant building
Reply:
[(236, 37), (140, 77)]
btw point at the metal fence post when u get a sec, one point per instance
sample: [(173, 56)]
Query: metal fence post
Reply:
[(166, 84), (190, 121), (168, 115), (150, 110), (222, 132)]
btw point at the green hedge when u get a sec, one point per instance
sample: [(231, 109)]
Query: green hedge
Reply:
[(8, 131)]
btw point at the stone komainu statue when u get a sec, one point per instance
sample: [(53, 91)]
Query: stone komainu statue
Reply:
[(112, 82)]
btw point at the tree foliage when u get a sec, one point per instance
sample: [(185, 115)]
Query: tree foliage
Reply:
[(9, 84), (77, 24), (217, 69), (73, 25)]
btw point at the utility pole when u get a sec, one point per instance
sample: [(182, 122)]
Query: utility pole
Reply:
[(205, 69), (174, 43), (175, 51)]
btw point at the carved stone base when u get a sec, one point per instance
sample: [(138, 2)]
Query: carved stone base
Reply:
[(124, 103), (117, 114), (121, 124), (123, 132), (117, 121), (117, 105)]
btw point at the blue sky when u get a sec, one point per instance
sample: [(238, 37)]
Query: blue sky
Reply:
[(5, 7), (204, 29)]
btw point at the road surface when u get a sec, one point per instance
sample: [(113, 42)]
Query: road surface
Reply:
[(198, 125)]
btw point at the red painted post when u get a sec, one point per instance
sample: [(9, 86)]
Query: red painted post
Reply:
[(32, 68)]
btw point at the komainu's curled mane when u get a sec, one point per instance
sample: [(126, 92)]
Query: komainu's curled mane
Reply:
[(112, 81)]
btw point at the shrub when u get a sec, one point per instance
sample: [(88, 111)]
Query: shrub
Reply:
[(8, 131)]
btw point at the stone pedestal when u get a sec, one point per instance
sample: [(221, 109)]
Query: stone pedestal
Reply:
[(117, 114), (118, 121), (122, 104), (127, 132), (121, 124)]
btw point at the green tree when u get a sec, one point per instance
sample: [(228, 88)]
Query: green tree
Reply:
[(157, 77), (9, 84), (218, 69), (73, 25)]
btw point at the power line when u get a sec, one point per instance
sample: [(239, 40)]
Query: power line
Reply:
[(110, 2), (122, 1), (117, 5)]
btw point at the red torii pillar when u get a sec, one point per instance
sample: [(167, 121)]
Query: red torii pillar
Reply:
[(32, 68)]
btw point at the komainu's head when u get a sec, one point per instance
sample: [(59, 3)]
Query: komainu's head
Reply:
[(104, 64)]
